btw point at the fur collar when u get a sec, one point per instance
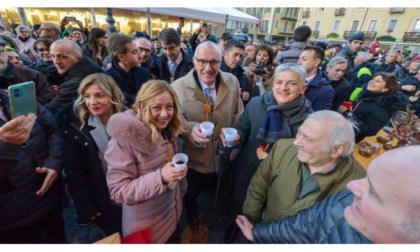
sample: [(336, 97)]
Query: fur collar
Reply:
[(126, 127)]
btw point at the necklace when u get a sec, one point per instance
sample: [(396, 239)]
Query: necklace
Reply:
[(350, 114), (165, 144)]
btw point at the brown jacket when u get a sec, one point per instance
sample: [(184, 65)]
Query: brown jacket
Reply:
[(225, 113)]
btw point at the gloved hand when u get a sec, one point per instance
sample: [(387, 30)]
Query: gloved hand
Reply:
[(89, 232)]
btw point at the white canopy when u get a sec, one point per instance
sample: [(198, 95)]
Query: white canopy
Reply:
[(216, 15)]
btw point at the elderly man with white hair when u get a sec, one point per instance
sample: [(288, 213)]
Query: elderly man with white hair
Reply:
[(299, 172)]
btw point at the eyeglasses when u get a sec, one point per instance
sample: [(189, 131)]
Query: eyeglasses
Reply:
[(203, 63), (142, 49), (43, 50)]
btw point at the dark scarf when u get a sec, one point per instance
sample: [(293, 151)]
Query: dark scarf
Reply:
[(24, 40), (274, 126)]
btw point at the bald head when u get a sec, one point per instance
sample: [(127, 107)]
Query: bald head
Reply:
[(49, 30), (386, 203)]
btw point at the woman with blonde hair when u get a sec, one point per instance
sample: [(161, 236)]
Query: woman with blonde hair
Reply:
[(141, 175), (85, 140)]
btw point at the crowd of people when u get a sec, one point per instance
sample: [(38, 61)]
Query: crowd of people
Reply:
[(113, 110)]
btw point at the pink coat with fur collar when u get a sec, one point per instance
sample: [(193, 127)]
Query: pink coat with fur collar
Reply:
[(134, 178)]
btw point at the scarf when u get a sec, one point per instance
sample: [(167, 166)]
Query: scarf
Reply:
[(274, 126), (24, 39)]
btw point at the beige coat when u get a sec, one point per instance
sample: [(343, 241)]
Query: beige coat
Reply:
[(225, 113)]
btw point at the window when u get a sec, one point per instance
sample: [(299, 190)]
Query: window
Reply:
[(252, 26), (354, 25), (277, 24), (417, 26), (336, 26), (265, 24), (293, 26), (304, 23), (285, 26), (320, 9), (278, 10), (372, 25), (317, 24), (288, 11), (267, 10), (254, 11), (259, 12), (392, 25)]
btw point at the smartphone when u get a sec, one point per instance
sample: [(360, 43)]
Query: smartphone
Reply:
[(22, 98)]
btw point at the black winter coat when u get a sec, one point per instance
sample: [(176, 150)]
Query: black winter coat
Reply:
[(19, 182), (72, 78), (182, 69), (129, 83), (14, 75), (84, 176), (319, 92), (322, 223), (373, 110), (49, 70)]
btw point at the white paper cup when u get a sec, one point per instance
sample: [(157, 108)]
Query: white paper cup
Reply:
[(207, 128), (180, 160), (230, 134)]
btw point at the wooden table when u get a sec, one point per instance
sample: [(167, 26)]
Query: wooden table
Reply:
[(365, 161)]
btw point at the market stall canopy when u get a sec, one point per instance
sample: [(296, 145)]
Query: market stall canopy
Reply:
[(216, 15)]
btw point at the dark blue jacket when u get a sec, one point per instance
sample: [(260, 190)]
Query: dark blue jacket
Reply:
[(182, 69), (322, 223), (380, 66), (129, 83), (238, 72), (19, 182), (319, 92), (84, 175)]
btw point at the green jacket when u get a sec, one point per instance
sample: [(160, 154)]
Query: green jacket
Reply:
[(274, 189)]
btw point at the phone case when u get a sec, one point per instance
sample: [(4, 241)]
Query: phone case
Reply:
[(22, 98)]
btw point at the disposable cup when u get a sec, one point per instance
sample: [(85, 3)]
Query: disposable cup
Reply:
[(180, 160), (230, 134), (207, 128)]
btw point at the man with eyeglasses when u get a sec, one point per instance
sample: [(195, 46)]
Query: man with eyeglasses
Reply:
[(174, 63), (205, 94), (126, 66), (147, 58), (50, 31), (11, 74)]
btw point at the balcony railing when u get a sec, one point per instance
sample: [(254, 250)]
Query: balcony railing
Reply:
[(263, 29), (396, 10), (286, 15), (369, 35), (305, 14), (315, 34), (411, 37), (340, 12)]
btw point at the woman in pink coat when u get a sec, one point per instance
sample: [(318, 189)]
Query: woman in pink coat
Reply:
[(140, 173)]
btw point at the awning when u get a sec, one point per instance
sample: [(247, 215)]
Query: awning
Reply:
[(216, 15)]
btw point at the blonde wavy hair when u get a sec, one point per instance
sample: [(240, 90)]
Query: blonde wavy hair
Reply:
[(110, 88), (143, 103)]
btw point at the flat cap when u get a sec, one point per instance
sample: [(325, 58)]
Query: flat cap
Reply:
[(357, 36), (2, 41)]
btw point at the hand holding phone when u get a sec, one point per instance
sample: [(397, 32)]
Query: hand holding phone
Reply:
[(22, 98)]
